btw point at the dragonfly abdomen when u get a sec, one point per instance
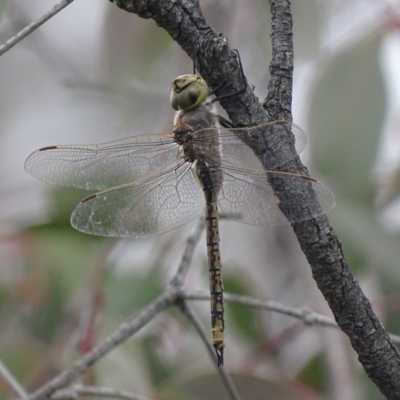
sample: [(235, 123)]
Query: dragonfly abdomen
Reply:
[(214, 260), (215, 275)]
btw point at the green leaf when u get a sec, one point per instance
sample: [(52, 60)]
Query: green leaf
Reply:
[(347, 111), (314, 373), (244, 318), (126, 294)]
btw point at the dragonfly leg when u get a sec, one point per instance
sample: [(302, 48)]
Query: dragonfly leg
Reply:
[(224, 82), (226, 123)]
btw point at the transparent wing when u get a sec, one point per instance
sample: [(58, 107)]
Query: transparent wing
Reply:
[(250, 198), (148, 207), (98, 167), (246, 194), (235, 151)]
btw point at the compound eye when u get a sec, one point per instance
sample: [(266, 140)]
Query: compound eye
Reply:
[(188, 91)]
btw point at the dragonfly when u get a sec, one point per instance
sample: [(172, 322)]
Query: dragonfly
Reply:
[(153, 183)]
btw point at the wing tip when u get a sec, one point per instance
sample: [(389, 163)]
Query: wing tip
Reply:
[(47, 148), (88, 198)]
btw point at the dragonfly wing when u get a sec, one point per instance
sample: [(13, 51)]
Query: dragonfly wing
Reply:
[(235, 150), (98, 167), (145, 208), (250, 198)]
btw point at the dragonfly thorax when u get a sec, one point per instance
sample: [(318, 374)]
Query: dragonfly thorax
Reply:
[(196, 132), (200, 117)]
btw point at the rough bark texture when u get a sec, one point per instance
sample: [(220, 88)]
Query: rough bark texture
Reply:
[(215, 61)]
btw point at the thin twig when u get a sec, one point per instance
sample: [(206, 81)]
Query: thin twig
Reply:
[(191, 243), (33, 26), (122, 333), (75, 391), (226, 378), (199, 328), (308, 316), (10, 379)]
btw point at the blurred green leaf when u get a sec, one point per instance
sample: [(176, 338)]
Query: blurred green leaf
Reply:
[(314, 373), (159, 371), (364, 239), (21, 358), (64, 201), (43, 322), (243, 317), (129, 293), (66, 251), (347, 111)]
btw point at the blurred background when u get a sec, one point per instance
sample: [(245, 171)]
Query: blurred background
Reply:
[(94, 73)]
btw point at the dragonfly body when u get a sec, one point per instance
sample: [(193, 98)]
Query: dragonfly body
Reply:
[(189, 125), (153, 183)]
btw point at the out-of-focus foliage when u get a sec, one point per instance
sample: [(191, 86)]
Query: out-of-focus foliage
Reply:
[(95, 73), (351, 89)]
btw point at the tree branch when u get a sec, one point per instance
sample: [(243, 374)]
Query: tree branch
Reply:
[(225, 377), (33, 26), (351, 308), (215, 61), (76, 391), (307, 316)]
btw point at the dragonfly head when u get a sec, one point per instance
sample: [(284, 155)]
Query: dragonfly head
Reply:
[(188, 91)]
